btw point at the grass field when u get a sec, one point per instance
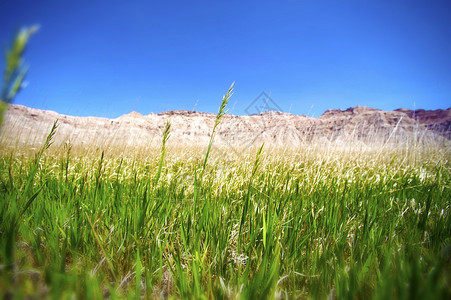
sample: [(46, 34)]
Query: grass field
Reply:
[(315, 223)]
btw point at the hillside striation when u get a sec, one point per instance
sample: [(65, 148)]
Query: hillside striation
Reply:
[(28, 126)]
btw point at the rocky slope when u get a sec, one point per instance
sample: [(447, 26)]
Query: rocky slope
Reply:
[(27, 126)]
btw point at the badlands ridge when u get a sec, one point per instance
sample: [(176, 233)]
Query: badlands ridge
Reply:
[(24, 126)]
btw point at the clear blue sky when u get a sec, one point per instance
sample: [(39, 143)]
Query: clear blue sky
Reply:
[(107, 58)]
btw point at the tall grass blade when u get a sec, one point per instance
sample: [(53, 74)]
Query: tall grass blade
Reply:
[(244, 213), (219, 116), (166, 134), (14, 72)]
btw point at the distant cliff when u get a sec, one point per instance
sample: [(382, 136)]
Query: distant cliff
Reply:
[(28, 126)]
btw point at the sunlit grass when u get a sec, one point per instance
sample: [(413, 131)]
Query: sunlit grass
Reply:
[(274, 224)]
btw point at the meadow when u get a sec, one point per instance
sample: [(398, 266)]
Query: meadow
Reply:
[(315, 222)]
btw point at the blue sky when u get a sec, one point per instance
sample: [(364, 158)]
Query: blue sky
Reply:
[(107, 58)]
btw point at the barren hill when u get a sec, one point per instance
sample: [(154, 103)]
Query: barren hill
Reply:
[(27, 126)]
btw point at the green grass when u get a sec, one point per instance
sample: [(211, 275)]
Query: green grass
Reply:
[(300, 224), (15, 70)]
